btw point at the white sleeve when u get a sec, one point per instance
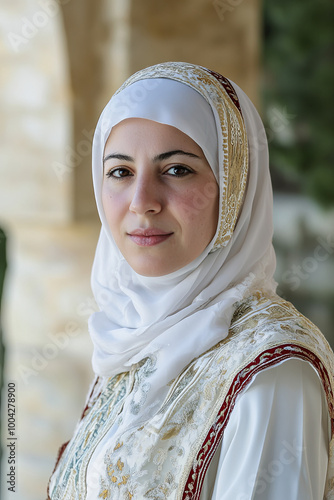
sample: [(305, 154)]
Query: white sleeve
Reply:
[(275, 445)]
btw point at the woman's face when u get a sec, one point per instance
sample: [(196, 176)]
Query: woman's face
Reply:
[(159, 195)]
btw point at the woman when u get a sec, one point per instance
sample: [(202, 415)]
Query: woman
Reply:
[(209, 385)]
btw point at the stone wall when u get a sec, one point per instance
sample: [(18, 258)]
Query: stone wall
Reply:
[(222, 35), (60, 63)]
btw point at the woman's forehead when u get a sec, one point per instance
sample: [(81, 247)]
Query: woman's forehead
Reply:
[(134, 132)]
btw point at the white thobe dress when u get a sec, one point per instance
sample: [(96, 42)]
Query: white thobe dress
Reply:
[(275, 446)]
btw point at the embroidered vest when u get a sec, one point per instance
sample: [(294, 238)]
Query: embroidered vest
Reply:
[(167, 457)]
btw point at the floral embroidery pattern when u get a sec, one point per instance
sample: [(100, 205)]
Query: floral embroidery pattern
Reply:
[(142, 386)]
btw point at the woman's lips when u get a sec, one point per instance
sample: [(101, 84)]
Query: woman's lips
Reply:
[(148, 237)]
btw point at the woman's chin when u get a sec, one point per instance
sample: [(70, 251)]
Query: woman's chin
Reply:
[(151, 268)]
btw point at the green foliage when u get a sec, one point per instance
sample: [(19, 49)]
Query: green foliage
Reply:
[(299, 78), (3, 262), (3, 265)]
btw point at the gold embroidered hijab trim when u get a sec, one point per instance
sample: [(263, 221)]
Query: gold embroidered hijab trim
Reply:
[(233, 145)]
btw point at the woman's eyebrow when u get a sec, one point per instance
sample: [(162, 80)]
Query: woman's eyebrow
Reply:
[(159, 157), (168, 154), (118, 156)]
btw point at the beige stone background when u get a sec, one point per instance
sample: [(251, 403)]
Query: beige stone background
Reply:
[(60, 61)]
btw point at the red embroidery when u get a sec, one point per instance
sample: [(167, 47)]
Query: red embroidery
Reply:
[(228, 87), (266, 359)]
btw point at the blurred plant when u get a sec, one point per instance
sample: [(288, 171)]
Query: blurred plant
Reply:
[(3, 265), (299, 76)]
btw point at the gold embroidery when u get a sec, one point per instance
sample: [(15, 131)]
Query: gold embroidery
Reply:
[(120, 465), (173, 432), (104, 494), (124, 480), (86, 440), (114, 478)]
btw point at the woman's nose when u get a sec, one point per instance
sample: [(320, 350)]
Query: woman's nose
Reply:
[(146, 197)]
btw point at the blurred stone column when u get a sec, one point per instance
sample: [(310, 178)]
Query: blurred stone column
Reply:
[(46, 209)]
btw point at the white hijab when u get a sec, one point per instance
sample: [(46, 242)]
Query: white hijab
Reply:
[(170, 320)]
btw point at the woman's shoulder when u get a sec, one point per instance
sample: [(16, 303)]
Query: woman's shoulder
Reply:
[(267, 320), (270, 312), (265, 331)]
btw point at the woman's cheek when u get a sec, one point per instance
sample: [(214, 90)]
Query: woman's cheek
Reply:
[(196, 204), (114, 206)]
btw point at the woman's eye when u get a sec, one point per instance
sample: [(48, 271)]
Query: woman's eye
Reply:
[(178, 171), (118, 173)]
